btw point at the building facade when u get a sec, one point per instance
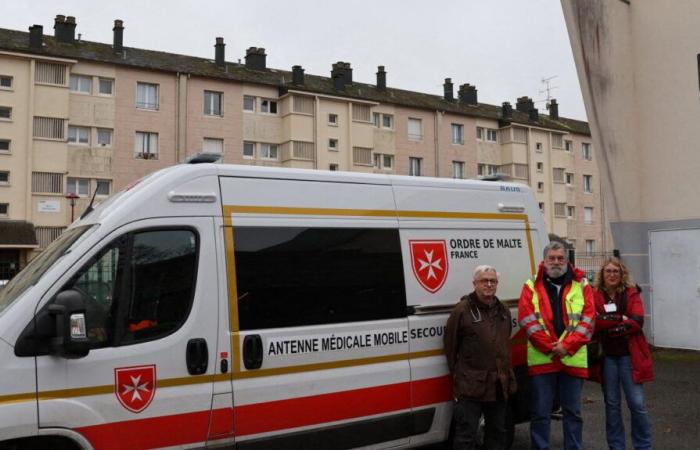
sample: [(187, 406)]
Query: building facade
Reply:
[(81, 119)]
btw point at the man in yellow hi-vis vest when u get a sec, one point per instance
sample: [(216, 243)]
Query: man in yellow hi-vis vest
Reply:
[(557, 311)]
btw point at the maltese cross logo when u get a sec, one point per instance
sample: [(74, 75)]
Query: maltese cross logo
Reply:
[(135, 386), (429, 263)]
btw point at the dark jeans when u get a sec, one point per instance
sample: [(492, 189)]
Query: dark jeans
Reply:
[(543, 389), (617, 371), (466, 416)]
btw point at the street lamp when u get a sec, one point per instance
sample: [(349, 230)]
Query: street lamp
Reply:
[(72, 196)]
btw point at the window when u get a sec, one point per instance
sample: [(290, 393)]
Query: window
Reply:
[(333, 145), (5, 82), (541, 204), (4, 145), (362, 156), (81, 83), (557, 140), (538, 147), (333, 167), (376, 119), (268, 106), (378, 160), (212, 145), (309, 276), (78, 135), (5, 112), (486, 169), (268, 151), (78, 186), (387, 121), (46, 235), (248, 103), (106, 86), (49, 128), (590, 246), (560, 209), (415, 129), (248, 150), (146, 145), (569, 178), (304, 105), (586, 151), (4, 209), (457, 133), (480, 134), (570, 212), (491, 135), (333, 119), (540, 186), (144, 297), (213, 103), (47, 182), (4, 177), (540, 167), (588, 215), (104, 137), (458, 169), (568, 145), (558, 175), (588, 183), (360, 113), (388, 161), (414, 166), (103, 187), (147, 96), (49, 73)]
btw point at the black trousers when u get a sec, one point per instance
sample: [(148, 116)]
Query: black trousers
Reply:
[(466, 416)]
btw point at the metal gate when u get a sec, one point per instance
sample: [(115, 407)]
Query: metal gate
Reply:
[(590, 262)]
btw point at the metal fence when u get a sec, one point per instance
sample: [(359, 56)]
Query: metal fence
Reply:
[(590, 262)]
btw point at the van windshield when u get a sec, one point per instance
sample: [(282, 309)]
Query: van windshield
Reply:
[(39, 265)]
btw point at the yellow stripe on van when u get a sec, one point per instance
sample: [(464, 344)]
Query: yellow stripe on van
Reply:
[(230, 210)]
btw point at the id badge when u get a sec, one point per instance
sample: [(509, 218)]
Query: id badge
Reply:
[(610, 307)]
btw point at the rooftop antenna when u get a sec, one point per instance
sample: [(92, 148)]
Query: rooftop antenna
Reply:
[(548, 88)]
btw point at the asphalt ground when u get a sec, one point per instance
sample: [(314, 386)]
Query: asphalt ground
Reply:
[(673, 401)]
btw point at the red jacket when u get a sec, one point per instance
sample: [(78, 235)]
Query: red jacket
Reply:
[(640, 355), (544, 341)]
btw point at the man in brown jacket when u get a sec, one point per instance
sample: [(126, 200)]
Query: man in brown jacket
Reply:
[(477, 345)]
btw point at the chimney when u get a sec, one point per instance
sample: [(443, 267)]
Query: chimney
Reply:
[(298, 75), (118, 41), (36, 37), (381, 79), (467, 94), (220, 52), (338, 81), (449, 91), (69, 29), (255, 58), (534, 115), (524, 104), (58, 27), (342, 70), (506, 111), (553, 108)]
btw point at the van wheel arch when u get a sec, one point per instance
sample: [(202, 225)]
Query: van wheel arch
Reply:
[(34, 442)]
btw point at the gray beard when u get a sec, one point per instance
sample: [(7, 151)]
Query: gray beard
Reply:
[(555, 272)]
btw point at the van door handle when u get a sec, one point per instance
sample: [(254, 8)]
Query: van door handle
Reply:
[(252, 351), (197, 356)]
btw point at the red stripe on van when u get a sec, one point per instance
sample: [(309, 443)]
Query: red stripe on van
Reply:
[(277, 415)]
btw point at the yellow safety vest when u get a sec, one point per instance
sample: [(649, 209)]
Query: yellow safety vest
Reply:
[(574, 307)]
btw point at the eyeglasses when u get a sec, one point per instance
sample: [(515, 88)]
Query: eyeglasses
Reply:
[(487, 281), (556, 258), (612, 271)]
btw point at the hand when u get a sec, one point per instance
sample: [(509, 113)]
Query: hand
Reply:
[(559, 350)]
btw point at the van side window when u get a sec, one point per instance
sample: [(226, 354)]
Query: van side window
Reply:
[(140, 287), (306, 276)]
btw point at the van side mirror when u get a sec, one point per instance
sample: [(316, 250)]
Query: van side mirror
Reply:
[(68, 312)]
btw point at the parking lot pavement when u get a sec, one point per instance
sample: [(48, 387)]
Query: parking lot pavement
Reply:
[(673, 401)]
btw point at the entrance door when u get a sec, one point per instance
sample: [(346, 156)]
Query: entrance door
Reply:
[(675, 279), (151, 290), (9, 264)]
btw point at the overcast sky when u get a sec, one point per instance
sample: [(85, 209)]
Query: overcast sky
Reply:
[(504, 47)]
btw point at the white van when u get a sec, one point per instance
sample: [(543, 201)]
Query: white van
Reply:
[(225, 306)]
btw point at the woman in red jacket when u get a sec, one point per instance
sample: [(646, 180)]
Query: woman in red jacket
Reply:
[(627, 359)]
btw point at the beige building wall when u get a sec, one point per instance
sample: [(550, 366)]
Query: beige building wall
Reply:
[(452, 150), (421, 146)]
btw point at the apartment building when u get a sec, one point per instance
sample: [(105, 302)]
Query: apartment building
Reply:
[(81, 119)]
